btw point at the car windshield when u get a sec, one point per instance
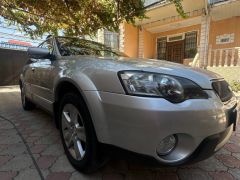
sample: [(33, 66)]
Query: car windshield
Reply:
[(69, 46)]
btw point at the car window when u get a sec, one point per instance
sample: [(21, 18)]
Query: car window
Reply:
[(76, 46)]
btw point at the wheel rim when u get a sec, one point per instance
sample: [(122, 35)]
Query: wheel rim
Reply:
[(73, 131)]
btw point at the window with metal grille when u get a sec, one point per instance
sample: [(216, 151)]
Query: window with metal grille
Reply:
[(111, 39), (161, 47), (190, 44)]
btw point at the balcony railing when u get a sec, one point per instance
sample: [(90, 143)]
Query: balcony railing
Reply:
[(224, 57), (150, 3)]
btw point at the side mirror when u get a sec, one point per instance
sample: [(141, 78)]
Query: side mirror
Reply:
[(38, 53)]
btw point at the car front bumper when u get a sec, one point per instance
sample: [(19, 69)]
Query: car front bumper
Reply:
[(138, 124)]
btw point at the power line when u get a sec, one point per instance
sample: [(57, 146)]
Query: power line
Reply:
[(3, 22), (6, 38), (20, 36), (22, 10), (15, 29), (13, 46), (12, 36)]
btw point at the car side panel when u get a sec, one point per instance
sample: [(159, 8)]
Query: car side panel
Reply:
[(43, 84), (27, 80)]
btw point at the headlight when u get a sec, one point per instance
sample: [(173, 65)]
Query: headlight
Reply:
[(174, 89)]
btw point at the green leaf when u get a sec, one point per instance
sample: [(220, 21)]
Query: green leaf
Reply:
[(73, 17)]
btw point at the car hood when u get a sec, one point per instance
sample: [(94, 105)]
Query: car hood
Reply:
[(100, 69), (167, 67)]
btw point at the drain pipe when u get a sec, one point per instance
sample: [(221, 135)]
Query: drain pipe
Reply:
[(207, 14), (206, 6)]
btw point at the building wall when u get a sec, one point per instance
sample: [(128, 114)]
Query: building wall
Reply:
[(130, 40), (149, 44), (226, 26), (149, 50)]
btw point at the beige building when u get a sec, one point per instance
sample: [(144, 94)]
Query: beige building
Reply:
[(209, 36)]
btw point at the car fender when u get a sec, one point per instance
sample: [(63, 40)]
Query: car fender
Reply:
[(85, 85)]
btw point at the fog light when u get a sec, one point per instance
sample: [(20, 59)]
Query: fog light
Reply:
[(166, 145)]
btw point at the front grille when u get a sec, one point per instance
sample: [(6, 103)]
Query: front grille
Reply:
[(222, 89)]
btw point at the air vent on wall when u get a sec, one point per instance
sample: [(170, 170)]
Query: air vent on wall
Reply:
[(176, 37)]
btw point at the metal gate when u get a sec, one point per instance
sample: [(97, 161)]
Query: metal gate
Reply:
[(11, 64)]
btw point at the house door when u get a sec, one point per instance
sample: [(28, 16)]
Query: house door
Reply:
[(175, 51)]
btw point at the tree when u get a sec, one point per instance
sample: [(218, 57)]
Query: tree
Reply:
[(73, 17)]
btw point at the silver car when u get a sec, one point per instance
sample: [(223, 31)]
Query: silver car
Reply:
[(169, 112)]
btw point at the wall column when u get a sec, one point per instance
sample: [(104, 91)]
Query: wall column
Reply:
[(141, 44), (204, 41), (121, 37)]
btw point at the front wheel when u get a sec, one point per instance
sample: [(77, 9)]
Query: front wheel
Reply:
[(26, 103), (77, 134)]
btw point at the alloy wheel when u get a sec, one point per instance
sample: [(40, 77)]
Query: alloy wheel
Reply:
[(73, 130)]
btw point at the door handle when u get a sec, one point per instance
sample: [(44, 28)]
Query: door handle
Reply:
[(33, 69)]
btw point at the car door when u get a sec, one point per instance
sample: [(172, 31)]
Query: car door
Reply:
[(28, 78), (43, 79)]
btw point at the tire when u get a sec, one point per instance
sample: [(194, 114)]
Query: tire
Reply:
[(78, 134), (26, 103)]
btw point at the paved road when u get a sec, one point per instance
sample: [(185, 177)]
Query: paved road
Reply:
[(30, 148)]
